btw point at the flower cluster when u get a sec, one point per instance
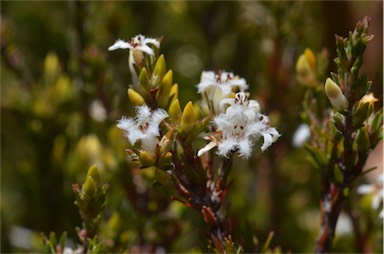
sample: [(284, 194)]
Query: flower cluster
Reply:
[(239, 127), (237, 120)]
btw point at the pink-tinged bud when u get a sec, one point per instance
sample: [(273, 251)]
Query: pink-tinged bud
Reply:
[(335, 95)]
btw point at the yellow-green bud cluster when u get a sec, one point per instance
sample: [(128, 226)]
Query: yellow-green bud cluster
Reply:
[(156, 87)]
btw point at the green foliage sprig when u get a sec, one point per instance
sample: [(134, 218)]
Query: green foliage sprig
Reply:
[(343, 139), (90, 199)]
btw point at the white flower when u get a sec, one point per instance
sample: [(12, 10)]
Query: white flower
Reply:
[(239, 127), (137, 46), (139, 42), (145, 127), (97, 111), (376, 190), (219, 86), (302, 134), (225, 81)]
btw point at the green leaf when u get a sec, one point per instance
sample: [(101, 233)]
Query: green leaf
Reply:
[(63, 239), (360, 87), (318, 156), (377, 122), (360, 115)]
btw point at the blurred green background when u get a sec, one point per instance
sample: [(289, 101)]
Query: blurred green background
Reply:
[(62, 92)]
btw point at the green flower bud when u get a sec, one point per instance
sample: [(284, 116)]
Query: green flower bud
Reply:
[(164, 89), (135, 98), (90, 187), (144, 79), (146, 159), (165, 160), (94, 173), (335, 95), (306, 68), (167, 80), (174, 110), (174, 91), (311, 58), (64, 88), (161, 176), (51, 68), (158, 71), (166, 141), (188, 118)]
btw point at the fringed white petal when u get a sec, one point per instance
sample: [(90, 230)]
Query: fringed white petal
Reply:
[(120, 44)]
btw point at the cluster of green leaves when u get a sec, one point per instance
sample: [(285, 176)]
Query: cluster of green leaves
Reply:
[(344, 137)]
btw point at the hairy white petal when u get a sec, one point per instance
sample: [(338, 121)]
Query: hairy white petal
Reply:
[(254, 105), (245, 148), (120, 44), (226, 146), (226, 88), (254, 129), (143, 113), (125, 123), (152, 41), (158, 116), (146, 49)]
